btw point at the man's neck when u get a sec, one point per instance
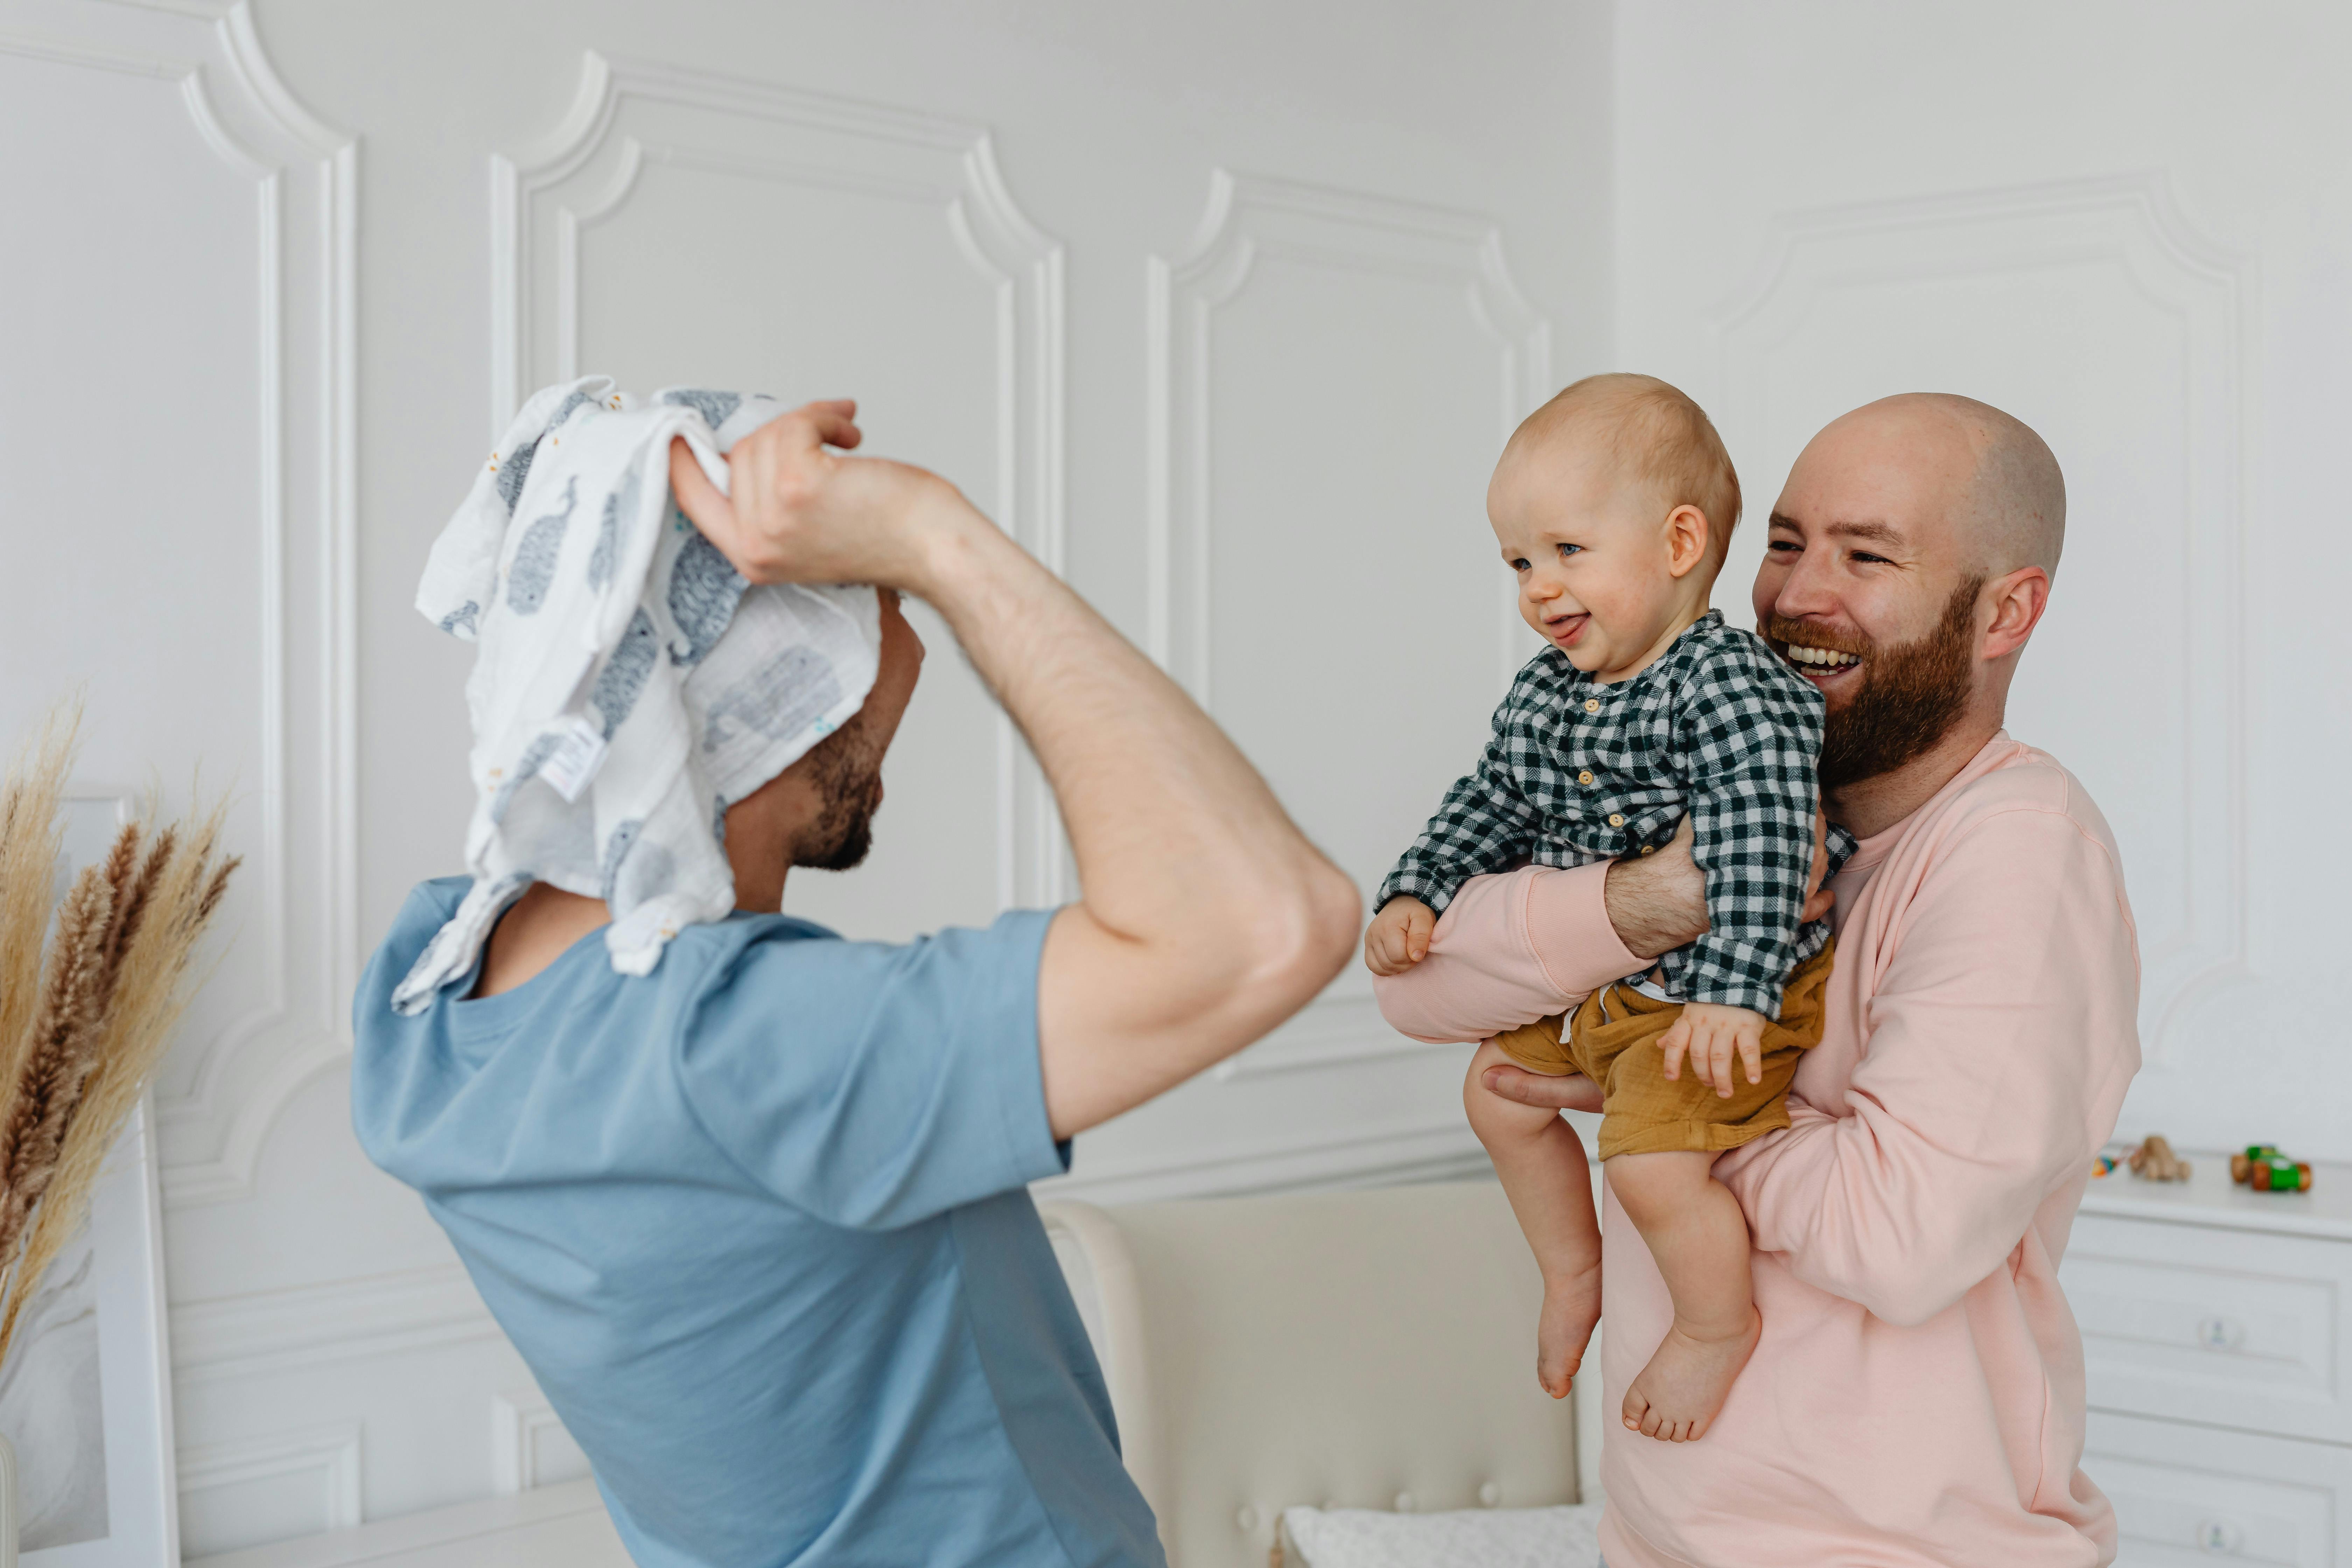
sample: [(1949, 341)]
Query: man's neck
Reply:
[(1872, 805), (541, 927)]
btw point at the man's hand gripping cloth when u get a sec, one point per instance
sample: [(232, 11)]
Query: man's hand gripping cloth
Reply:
[(630, 686)]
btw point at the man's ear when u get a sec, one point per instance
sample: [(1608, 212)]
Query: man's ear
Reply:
[(2017, 600), (1687, 533)]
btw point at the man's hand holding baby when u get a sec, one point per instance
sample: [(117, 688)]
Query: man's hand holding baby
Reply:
[(1712, 1035), (1399, 935)]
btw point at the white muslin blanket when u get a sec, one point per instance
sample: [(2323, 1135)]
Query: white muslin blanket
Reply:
[(630, 685)]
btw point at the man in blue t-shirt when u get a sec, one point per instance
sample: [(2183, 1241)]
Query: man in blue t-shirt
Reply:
[(758, 1220)]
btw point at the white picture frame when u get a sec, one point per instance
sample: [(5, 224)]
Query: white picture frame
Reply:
[(90, 1372)]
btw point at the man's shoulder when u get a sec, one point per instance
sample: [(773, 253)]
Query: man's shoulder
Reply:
[(2011, 789)]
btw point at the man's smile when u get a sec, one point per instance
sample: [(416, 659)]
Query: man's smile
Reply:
[(1826, 667)]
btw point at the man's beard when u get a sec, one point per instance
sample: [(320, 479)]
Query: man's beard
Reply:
[(849, 783), (1909, 698)]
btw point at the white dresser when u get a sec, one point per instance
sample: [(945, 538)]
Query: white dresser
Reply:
[(2217, 1322)]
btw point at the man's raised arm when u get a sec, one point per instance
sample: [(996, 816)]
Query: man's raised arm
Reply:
[(1205, 918)]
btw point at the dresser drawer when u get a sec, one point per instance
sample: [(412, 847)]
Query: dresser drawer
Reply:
[(2188, 1494), (2237, 1328)]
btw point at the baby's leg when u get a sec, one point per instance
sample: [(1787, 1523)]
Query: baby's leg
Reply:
[(1540, 1161), (1696, 1231)]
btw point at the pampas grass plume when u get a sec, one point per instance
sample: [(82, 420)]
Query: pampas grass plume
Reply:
[(79, 1045)]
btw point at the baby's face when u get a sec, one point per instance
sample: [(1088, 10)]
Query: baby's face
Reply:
[(1591, 551)]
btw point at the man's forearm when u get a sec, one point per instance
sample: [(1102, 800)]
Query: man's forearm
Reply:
[(1165, 814), (1658, 902), (1207, 917)]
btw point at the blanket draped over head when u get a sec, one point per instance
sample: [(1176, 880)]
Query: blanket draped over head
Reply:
[(629, 685)]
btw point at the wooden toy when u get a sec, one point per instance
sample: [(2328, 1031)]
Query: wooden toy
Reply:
[(2265, 1168), (2104, 1163), (2154, 1160)]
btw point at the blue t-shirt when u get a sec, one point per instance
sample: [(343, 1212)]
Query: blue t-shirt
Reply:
[(759, 1223)]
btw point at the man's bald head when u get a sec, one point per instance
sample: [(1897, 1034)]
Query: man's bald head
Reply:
[(2013, 512)]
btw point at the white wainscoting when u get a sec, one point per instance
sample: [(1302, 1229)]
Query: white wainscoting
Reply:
[(529, 1446), (276, 1331), (2156, 289), (837, 245), (191, 341), (1359, 360), (2095, 311), (265, 1489)]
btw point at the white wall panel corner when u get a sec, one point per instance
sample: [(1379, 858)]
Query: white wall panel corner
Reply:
[(2095, 311), (176, 462), (686, 226)]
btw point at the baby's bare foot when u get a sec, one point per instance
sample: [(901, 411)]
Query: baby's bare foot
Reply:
[(1572, 1305), (1675, 1397)]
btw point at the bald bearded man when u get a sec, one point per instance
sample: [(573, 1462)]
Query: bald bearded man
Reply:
[(1917, 1393)]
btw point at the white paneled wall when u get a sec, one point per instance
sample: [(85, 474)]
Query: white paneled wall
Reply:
[(1222, 310), (2129, 225)]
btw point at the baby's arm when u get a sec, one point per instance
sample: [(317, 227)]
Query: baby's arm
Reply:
[(1749, 733), (1483, 824), (1510, 949)]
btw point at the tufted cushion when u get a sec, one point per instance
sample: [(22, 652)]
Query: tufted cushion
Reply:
[(1362, 1350)]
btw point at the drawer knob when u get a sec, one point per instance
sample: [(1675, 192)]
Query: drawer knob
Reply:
[(2219, 1535), (2221, 1333)]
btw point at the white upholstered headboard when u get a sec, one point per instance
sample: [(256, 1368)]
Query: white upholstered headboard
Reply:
[(1357, 1350)]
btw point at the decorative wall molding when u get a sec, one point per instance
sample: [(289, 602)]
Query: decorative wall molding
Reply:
[(556, 1524), (1249, 218), (277, 1332), (2133, 224), (225, 1090), (629, 114), (1334, 1031), (1389, 1155), (528, 1445), (318, 1468)]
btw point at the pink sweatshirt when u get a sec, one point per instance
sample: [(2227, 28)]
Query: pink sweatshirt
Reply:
[(1917, 1394)]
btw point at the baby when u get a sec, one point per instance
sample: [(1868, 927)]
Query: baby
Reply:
[(1614, 503)]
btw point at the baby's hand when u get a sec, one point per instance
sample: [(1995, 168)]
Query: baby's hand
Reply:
[(1710, 1033), (1399, 936)]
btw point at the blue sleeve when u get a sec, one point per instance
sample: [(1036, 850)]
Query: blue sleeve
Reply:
[(875, 1086)]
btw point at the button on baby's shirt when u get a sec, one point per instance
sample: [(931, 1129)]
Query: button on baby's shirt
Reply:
[(1592, 705), (1616, 819), (1585, 777)]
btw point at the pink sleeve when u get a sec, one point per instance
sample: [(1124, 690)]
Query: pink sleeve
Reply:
[(2002, 1034), (1511, 948)]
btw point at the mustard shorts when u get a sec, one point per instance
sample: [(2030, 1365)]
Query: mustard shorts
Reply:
[(1612, 1039)]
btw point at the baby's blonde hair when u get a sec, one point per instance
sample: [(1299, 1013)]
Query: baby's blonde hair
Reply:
[(1656, 436)]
